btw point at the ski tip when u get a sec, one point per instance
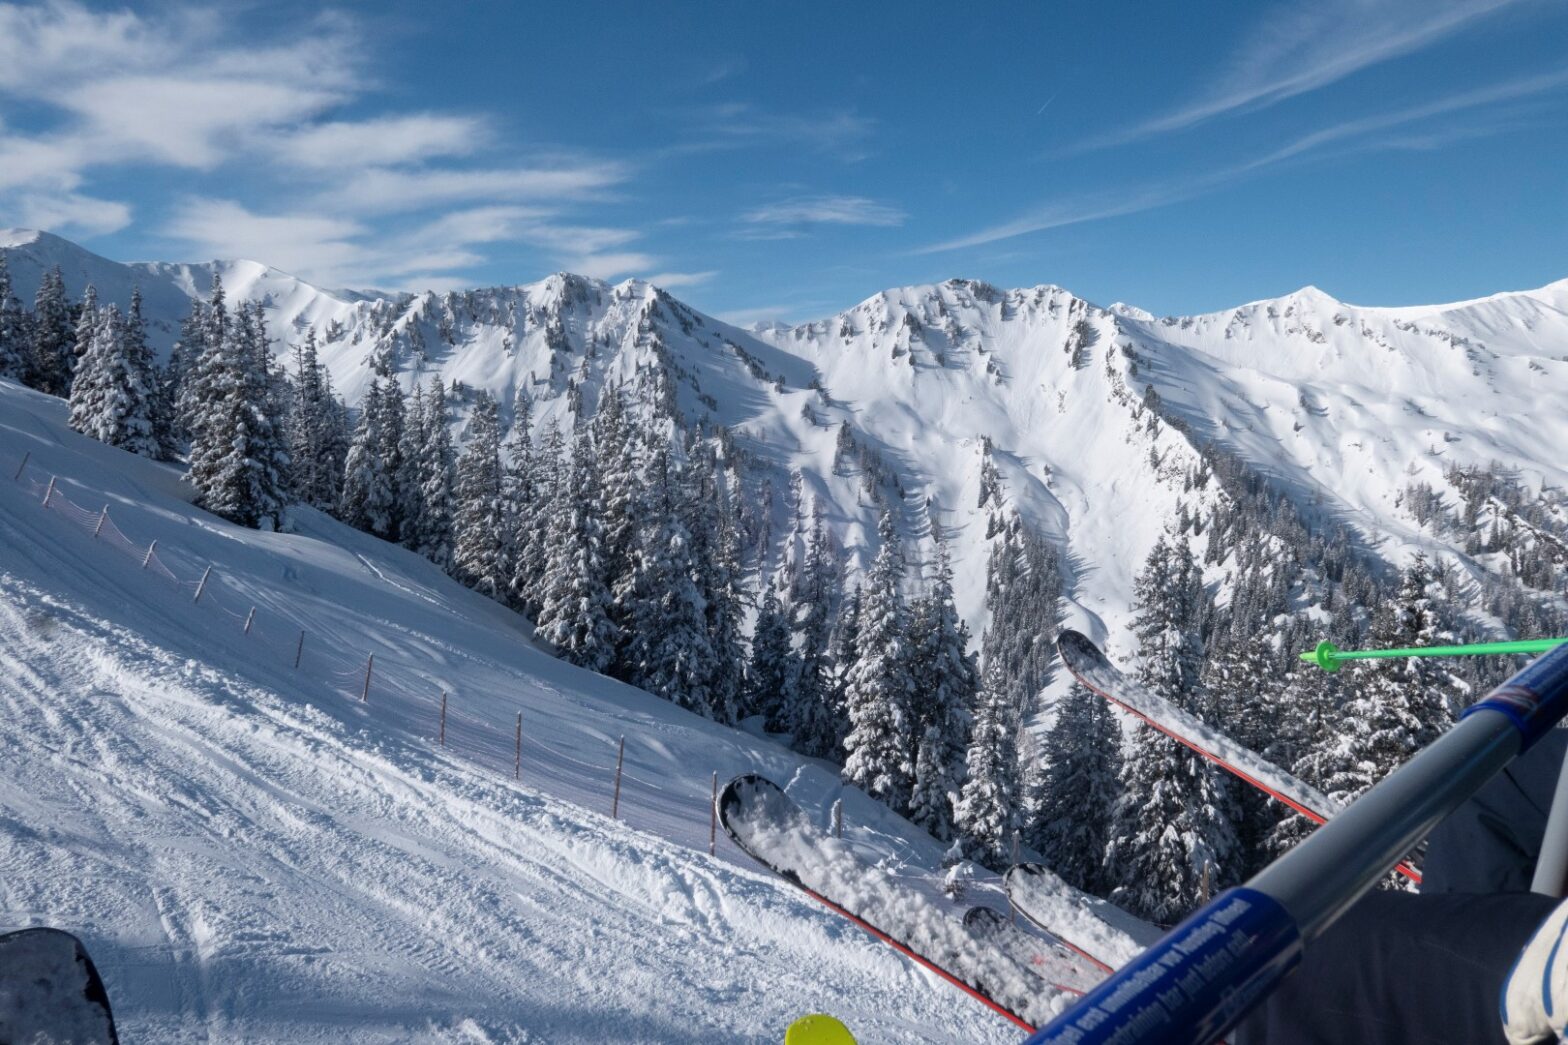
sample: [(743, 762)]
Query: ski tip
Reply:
[(818, 1029), (1076, 648)]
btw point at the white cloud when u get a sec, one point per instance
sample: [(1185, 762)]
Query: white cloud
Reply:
[(672, 280), (825, 210), (72, 212), (308, 245), (387, 140), (384, 190), (1309, 44)]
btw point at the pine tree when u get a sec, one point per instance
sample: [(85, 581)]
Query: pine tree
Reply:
[(716, 547), (987, 811), (574, 600), (478, 556), (113, 393), (1080, 769), (15, 347), (549, 478), (1175, 815), (948, 683), (772, 671), (880, 746), (85, 319), (53, 346), (366, 499), (239, 457), (389, 453), (519, 497), (433, 529), (817, 721)]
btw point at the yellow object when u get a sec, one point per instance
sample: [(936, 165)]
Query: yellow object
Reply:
[(818, 1029)]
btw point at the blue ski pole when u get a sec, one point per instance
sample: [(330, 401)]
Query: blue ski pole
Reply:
[(1202, 977)]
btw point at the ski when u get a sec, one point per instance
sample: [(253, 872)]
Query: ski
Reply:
[(1092, 668), (1054, 963), (1094, 929), (51, 991), (770, 828)]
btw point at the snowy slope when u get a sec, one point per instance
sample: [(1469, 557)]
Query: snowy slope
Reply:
[(252, 852), (1340, 406)]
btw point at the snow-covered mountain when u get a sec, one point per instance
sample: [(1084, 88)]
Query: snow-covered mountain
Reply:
[(957, 402)]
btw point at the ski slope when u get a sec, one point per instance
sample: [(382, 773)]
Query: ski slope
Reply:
[(251, 852)]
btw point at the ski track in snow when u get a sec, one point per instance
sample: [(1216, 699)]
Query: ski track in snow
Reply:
[(252, 855)]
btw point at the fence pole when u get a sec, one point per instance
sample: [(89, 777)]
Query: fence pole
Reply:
[(369, 664), (49, 492), (615, 803), (299, 650), (148, 557), (103, 517), (248, 618), (201, 585), (443, 718), (517, 763), (21, 467), (713, 816)]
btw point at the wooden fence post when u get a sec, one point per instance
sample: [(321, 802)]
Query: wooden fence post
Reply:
[(201, 585), (443, 718), (249, 617), (21, 467), (615, 803), (148, 557), (713, 816), (299, 651), (517, 762), (103, 517), (49, 492), (369, 664)]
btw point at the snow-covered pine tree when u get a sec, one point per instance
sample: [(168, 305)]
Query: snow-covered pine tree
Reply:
[(1400, 706), (550, 474), (319, 433), (574, 604), (987, 814), (1174, 817), (1080, 781), (948, 682), (880, 747), (773, 669), (714, 522), (15, 347), (817, 721), (478, 555), (410, 494), (201, 335), (113, 393), (142, 373), (519, 481), (85, 319), (239, 453), (365, 500), (389, 453), (53, 346), (433, 530)]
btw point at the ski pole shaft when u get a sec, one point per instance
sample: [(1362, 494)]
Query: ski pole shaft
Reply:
[(1202, 977), (1551, 868), (1329, 657)]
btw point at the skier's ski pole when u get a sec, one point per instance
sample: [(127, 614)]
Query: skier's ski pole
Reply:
[(1202, 977), (1329, 657)]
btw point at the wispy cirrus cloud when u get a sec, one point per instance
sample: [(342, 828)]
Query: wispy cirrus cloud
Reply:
[(1364, 134), (1305, 45)]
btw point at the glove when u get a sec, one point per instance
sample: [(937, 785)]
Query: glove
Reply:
[(1535, 995)]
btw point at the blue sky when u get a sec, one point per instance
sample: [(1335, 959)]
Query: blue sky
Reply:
[(773, 160)]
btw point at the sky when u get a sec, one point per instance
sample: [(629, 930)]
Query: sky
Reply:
[(783, 161)]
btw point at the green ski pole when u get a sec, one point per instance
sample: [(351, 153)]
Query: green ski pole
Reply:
[(1329, 657)]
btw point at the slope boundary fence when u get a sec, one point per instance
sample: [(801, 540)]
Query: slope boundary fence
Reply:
[(678, 811)]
